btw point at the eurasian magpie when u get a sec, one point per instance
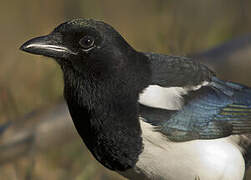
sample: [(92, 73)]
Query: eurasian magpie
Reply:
[(148, 115)]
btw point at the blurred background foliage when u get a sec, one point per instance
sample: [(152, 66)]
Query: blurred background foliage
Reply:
[(28, 82)]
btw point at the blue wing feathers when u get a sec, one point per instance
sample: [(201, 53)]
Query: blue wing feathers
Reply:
[(216, 110)]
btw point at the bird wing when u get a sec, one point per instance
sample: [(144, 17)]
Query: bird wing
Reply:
[(215, 110)]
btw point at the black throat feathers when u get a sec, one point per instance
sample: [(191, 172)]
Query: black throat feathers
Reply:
[(104, 109)]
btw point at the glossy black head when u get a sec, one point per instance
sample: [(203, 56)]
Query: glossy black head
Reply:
[(82, 44)]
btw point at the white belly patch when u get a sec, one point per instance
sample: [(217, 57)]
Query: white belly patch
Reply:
[(218, 159)]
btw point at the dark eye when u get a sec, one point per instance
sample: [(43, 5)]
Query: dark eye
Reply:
[(87, 42)]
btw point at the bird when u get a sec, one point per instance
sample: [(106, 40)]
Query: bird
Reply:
[(146, 115)]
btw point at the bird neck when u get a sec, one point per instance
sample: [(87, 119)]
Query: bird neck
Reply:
[(105, 114)]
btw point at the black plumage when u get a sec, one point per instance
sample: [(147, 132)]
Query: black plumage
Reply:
[(169, 71)]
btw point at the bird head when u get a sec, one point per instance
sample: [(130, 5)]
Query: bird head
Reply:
[(93, 50), (85, 45)]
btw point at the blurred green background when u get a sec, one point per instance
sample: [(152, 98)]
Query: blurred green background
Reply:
[(28, 82)]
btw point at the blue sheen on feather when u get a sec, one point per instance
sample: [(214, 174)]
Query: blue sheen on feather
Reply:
[(213, 111)]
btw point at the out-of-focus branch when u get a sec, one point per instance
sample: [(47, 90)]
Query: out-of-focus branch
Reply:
[(42, 129), (53, 126)]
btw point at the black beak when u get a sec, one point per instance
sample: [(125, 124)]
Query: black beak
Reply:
[(46, 46)]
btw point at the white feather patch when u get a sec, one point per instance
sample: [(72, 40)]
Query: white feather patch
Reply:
[(166, 98), (218, 159), (159, 97)]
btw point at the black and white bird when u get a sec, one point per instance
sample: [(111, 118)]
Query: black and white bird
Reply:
[(147, 115)]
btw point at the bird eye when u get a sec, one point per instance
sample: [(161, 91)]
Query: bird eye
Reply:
[(87, 42)]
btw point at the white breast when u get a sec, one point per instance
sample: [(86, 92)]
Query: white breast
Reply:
[(219, 159)]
